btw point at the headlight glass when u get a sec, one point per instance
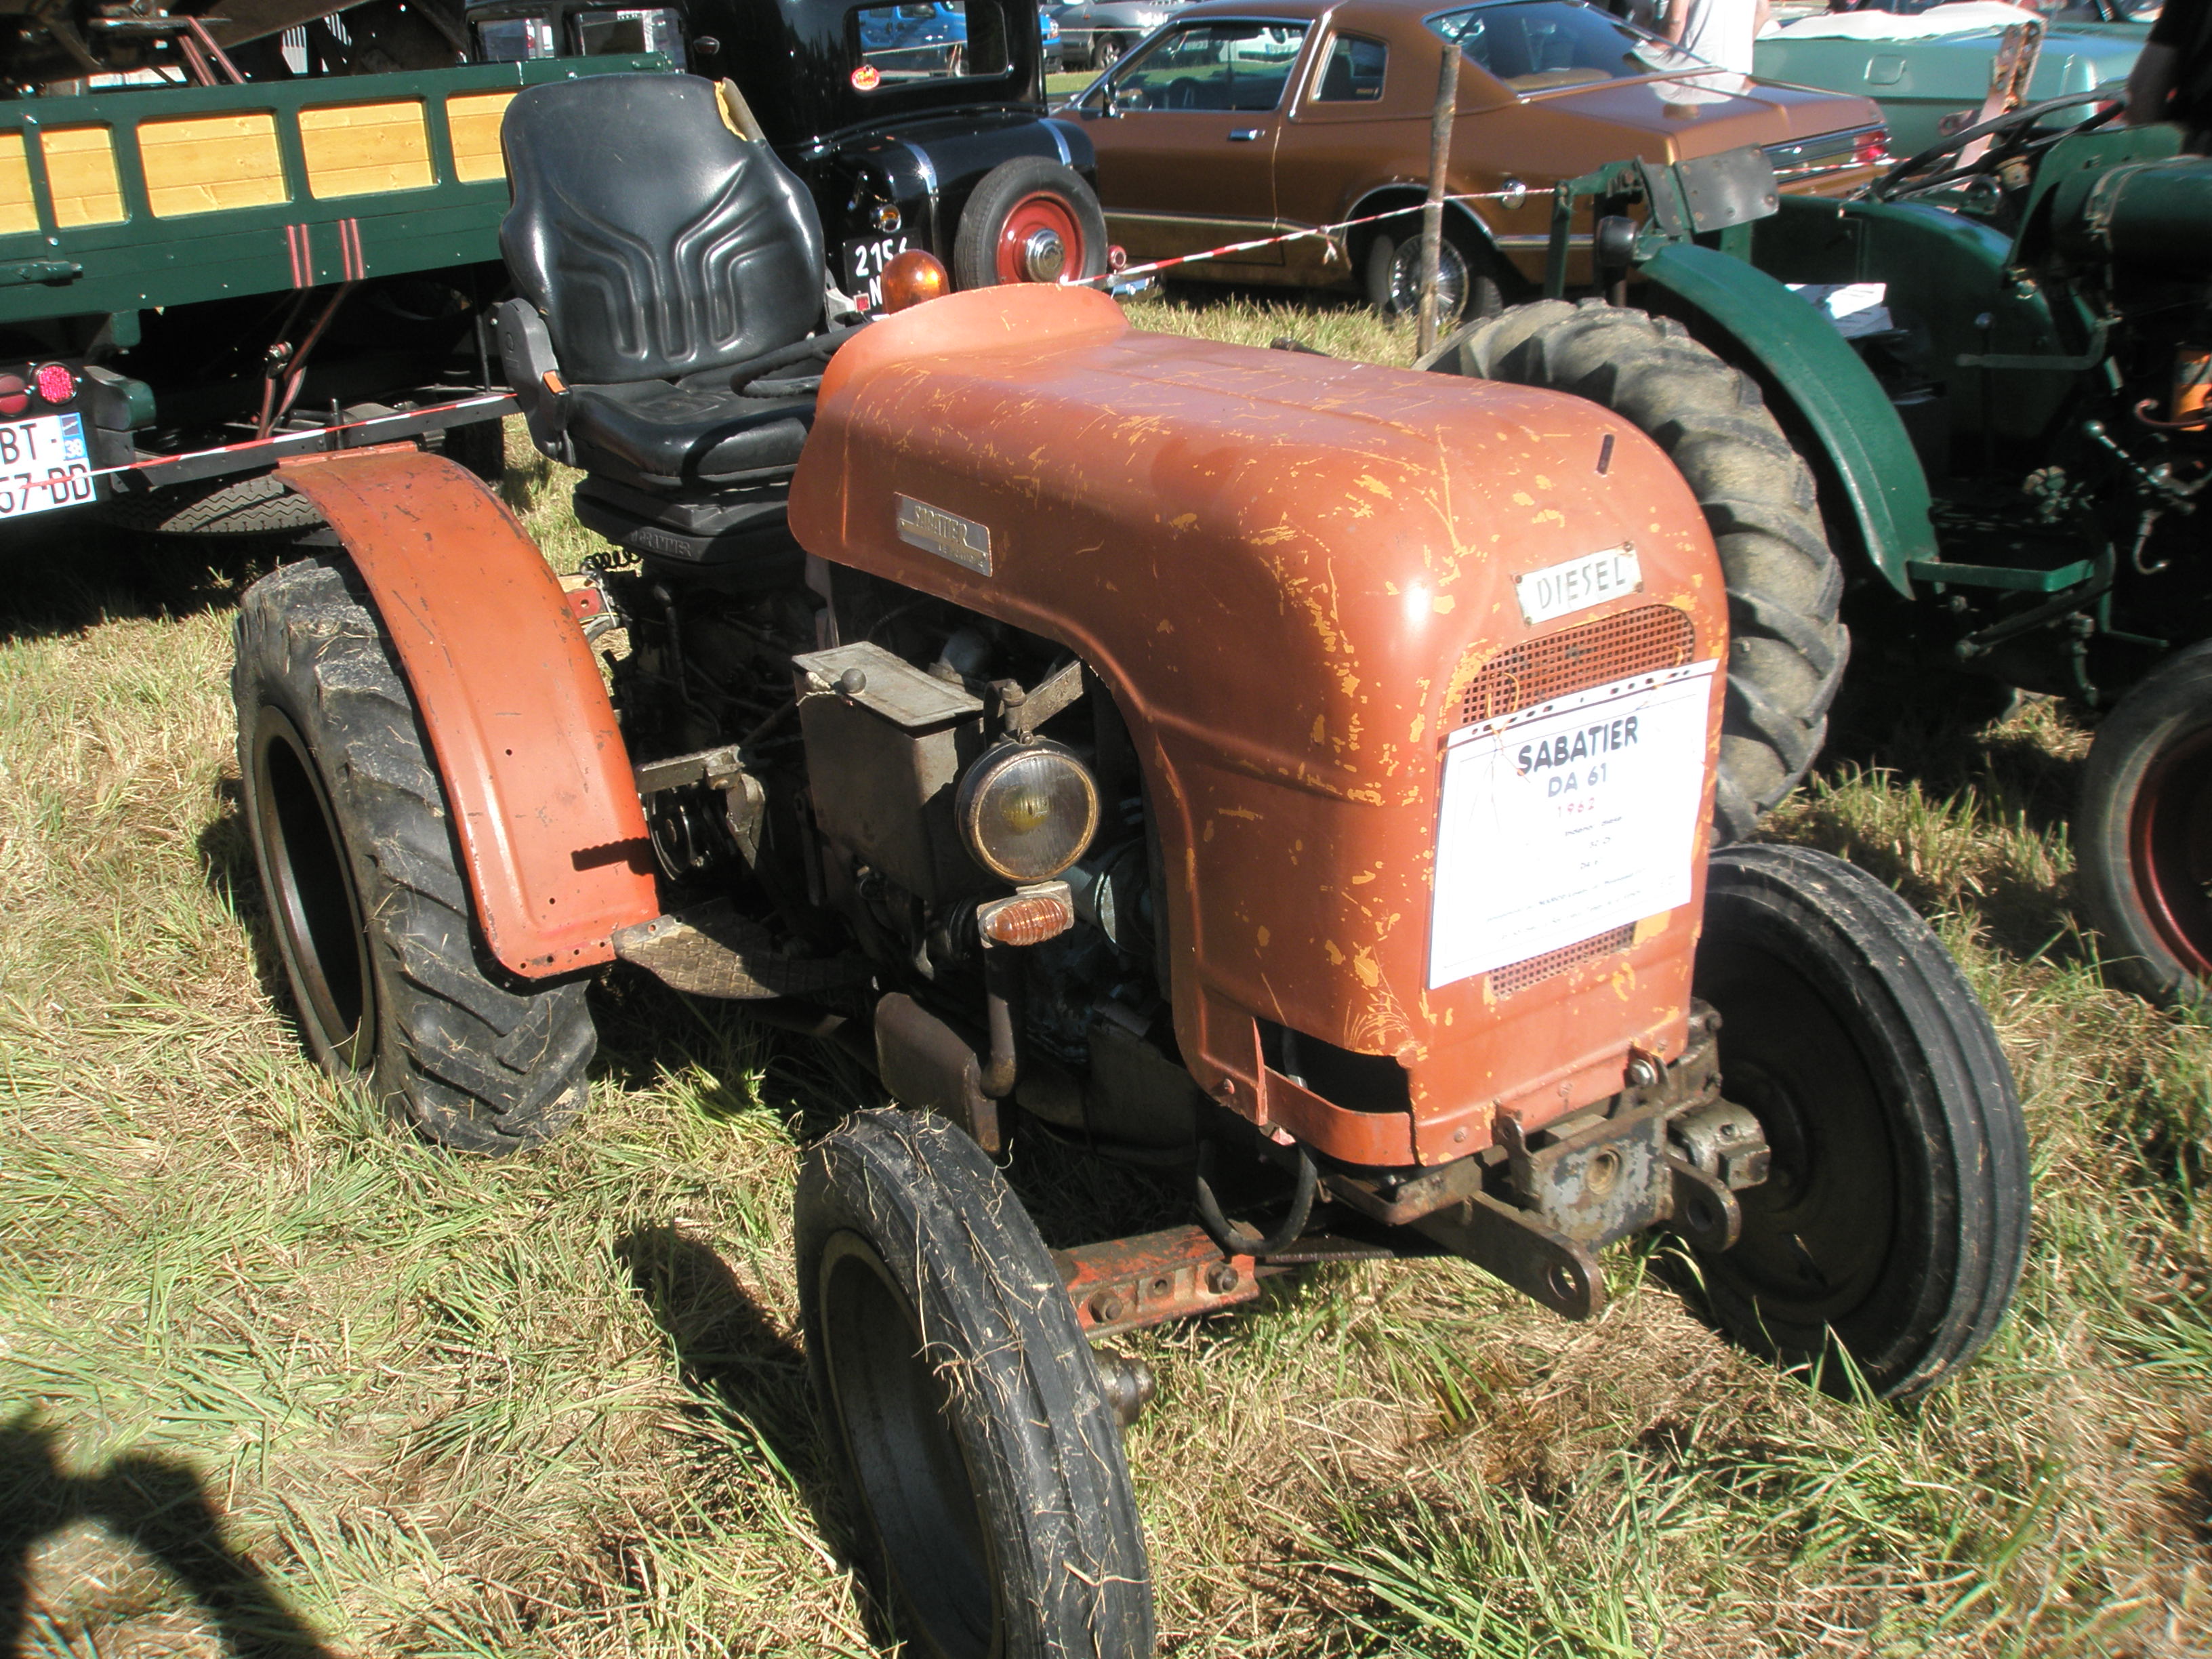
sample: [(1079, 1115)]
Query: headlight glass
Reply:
[(1028, 811)]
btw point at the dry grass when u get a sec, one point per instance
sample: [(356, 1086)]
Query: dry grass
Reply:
[(276, 1379)]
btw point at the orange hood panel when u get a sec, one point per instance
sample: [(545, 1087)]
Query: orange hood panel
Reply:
[(1287, 568)]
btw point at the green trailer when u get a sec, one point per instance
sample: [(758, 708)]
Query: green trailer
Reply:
[(199, 282)]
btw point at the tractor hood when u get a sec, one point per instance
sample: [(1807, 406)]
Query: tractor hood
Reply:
[(1298, 577)]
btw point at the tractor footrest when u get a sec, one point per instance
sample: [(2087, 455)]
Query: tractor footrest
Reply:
[(712, 951), (2013, 578)]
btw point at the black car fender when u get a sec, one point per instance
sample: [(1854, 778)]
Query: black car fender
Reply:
[(928, 169)]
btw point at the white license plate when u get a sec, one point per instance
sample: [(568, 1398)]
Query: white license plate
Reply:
[(1566, 820), (864, 268), (43, 465)]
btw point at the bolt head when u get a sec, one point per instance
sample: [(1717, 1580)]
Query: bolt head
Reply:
[(1221, 1279)]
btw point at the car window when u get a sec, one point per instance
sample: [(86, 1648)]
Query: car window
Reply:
[(1212, 66), (1531, 45), (1353, 73), (922, 40)]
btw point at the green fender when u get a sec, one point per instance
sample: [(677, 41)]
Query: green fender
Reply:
[(1838, 397)]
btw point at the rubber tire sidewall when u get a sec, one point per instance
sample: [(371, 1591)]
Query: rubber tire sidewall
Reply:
[(2168, 704), (975, 249), (461, 1052), (1958, 1140), (1041, 1448)]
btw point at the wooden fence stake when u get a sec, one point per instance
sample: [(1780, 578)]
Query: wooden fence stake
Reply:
[(1432, 213)]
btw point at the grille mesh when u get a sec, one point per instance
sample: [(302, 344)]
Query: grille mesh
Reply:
[(1639, 642), (1520, 976)]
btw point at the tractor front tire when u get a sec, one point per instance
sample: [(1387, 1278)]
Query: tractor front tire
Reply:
[(1787, 644), (2143, 833), (354, 838), (1894, 1219), (994, 1509)]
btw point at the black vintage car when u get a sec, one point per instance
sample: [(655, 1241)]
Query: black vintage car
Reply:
[(914, 124)]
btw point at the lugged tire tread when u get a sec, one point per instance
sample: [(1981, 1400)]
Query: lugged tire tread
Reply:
[(1788, 646), (926, 1197), (471, 1061)]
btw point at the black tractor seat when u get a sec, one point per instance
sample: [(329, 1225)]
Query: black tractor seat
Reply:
[(667, 337)]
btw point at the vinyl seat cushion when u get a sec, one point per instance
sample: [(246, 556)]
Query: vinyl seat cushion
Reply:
[(692, 432)]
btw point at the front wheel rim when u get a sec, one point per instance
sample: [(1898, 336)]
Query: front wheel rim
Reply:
[(894, 1413), (1039, 240), (1817, 1234), (312, 897), (2170, 846)]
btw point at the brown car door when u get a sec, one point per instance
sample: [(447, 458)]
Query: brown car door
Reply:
[(1186, 130)]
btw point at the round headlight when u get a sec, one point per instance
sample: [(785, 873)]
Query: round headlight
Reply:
[(1028, 811)]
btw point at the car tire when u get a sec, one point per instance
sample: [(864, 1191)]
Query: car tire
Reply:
[(2143, 834), (1787, 644), (1106, 51), (1468, 288), (353, 835), (964, 1412), (1029, 220)]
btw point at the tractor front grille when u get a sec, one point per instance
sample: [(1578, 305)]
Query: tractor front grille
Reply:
[(1644, 641), (1520, 976)]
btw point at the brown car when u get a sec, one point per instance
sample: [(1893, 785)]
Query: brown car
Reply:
[(1237, 120)]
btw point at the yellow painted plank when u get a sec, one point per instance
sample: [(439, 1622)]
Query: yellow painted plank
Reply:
[(17, 211), (353, 150), (81, 172), (473, 118), (205, 163)]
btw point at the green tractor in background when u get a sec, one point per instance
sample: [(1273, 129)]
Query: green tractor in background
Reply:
[(2004, 445)]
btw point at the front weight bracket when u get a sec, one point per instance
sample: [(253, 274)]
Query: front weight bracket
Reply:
[(1534, 1259)]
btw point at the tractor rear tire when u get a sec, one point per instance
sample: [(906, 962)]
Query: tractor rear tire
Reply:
[(994, 1509), (479, 446), (354, 837), (262, 506), (1895, 1219), (2143, 833), (1786, 643)]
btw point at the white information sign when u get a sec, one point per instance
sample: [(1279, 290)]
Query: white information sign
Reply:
[(1577, 584), (1565, 820)]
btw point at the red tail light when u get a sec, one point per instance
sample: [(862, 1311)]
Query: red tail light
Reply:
[(14, 395), (55, 384), (1872, 146)]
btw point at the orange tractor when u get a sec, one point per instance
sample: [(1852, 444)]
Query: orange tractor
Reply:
[(1290, 776)]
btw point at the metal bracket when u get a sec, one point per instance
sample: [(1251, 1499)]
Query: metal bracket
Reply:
[(1521, 1250)]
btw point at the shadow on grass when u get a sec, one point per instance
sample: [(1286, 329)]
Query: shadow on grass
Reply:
[(159, 1506), (68, 573)]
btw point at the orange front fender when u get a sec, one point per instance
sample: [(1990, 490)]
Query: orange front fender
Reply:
[(536, 773)]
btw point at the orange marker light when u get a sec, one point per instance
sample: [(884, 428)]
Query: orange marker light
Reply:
[(914, 276), (867, 78)]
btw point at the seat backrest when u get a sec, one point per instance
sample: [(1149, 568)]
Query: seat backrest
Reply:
[(655, 240)]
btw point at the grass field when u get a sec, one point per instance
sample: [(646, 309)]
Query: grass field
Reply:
[(279, 1381)]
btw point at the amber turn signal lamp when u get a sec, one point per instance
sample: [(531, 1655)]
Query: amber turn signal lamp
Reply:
[(914, 276)]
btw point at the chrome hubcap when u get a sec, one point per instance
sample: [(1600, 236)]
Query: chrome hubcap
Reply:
[(1044, 256)]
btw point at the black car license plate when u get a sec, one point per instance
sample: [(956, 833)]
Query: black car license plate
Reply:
[(864, 267)]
